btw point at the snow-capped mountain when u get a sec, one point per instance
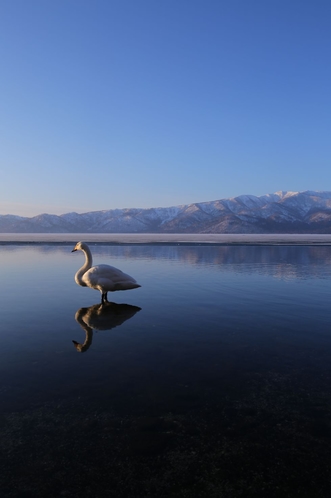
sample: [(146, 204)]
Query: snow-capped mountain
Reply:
[(281, 212)]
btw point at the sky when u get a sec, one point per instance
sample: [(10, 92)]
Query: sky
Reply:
[(141, 103)]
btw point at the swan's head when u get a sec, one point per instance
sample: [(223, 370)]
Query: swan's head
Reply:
[(80, 246), (79, 347)]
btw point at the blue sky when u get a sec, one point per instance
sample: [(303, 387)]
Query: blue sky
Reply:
[(143, 103)]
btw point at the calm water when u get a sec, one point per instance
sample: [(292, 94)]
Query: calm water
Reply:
[(223, 353)]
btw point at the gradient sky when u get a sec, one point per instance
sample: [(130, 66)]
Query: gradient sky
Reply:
[(145, 103)]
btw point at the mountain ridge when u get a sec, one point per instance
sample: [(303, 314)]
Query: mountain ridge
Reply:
[(280, 212)]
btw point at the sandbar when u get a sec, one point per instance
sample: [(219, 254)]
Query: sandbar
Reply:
[(166, 238)]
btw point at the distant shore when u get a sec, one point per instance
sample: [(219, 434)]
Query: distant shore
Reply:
[(145, 238)]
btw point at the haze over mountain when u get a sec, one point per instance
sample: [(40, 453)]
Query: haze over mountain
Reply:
[(281, 212)]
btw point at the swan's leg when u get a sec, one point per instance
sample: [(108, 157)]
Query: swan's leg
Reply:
[(104, 298)]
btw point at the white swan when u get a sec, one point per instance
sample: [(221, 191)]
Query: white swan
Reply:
[(104, 278)]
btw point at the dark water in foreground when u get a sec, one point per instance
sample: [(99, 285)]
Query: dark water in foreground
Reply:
[(214, 380)]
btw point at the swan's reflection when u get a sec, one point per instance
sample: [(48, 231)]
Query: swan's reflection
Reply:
[(101, 317)]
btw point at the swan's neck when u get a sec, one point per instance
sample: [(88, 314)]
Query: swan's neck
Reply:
[(86, 266)]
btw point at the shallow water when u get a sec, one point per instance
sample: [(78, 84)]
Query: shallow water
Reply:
[(231, 346)]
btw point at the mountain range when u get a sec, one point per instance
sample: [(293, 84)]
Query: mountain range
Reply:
[(281, 212)]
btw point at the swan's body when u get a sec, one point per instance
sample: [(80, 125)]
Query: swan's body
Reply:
[(104, 278)]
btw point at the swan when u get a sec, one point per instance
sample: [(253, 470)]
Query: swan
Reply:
[(101, 317), (104, 278)]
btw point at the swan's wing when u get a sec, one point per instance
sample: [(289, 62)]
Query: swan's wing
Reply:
[(109, 278)]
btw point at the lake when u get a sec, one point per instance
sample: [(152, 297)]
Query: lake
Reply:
[(213, 379)]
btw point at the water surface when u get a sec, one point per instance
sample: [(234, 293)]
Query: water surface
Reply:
[(214, 378)]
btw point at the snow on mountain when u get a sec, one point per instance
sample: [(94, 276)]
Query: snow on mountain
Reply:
[(283, 211)]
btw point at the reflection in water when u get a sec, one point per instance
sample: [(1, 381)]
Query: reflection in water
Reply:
[(101, 317), (282, 262)]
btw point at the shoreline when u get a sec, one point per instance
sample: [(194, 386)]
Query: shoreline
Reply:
[(166, 239)]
